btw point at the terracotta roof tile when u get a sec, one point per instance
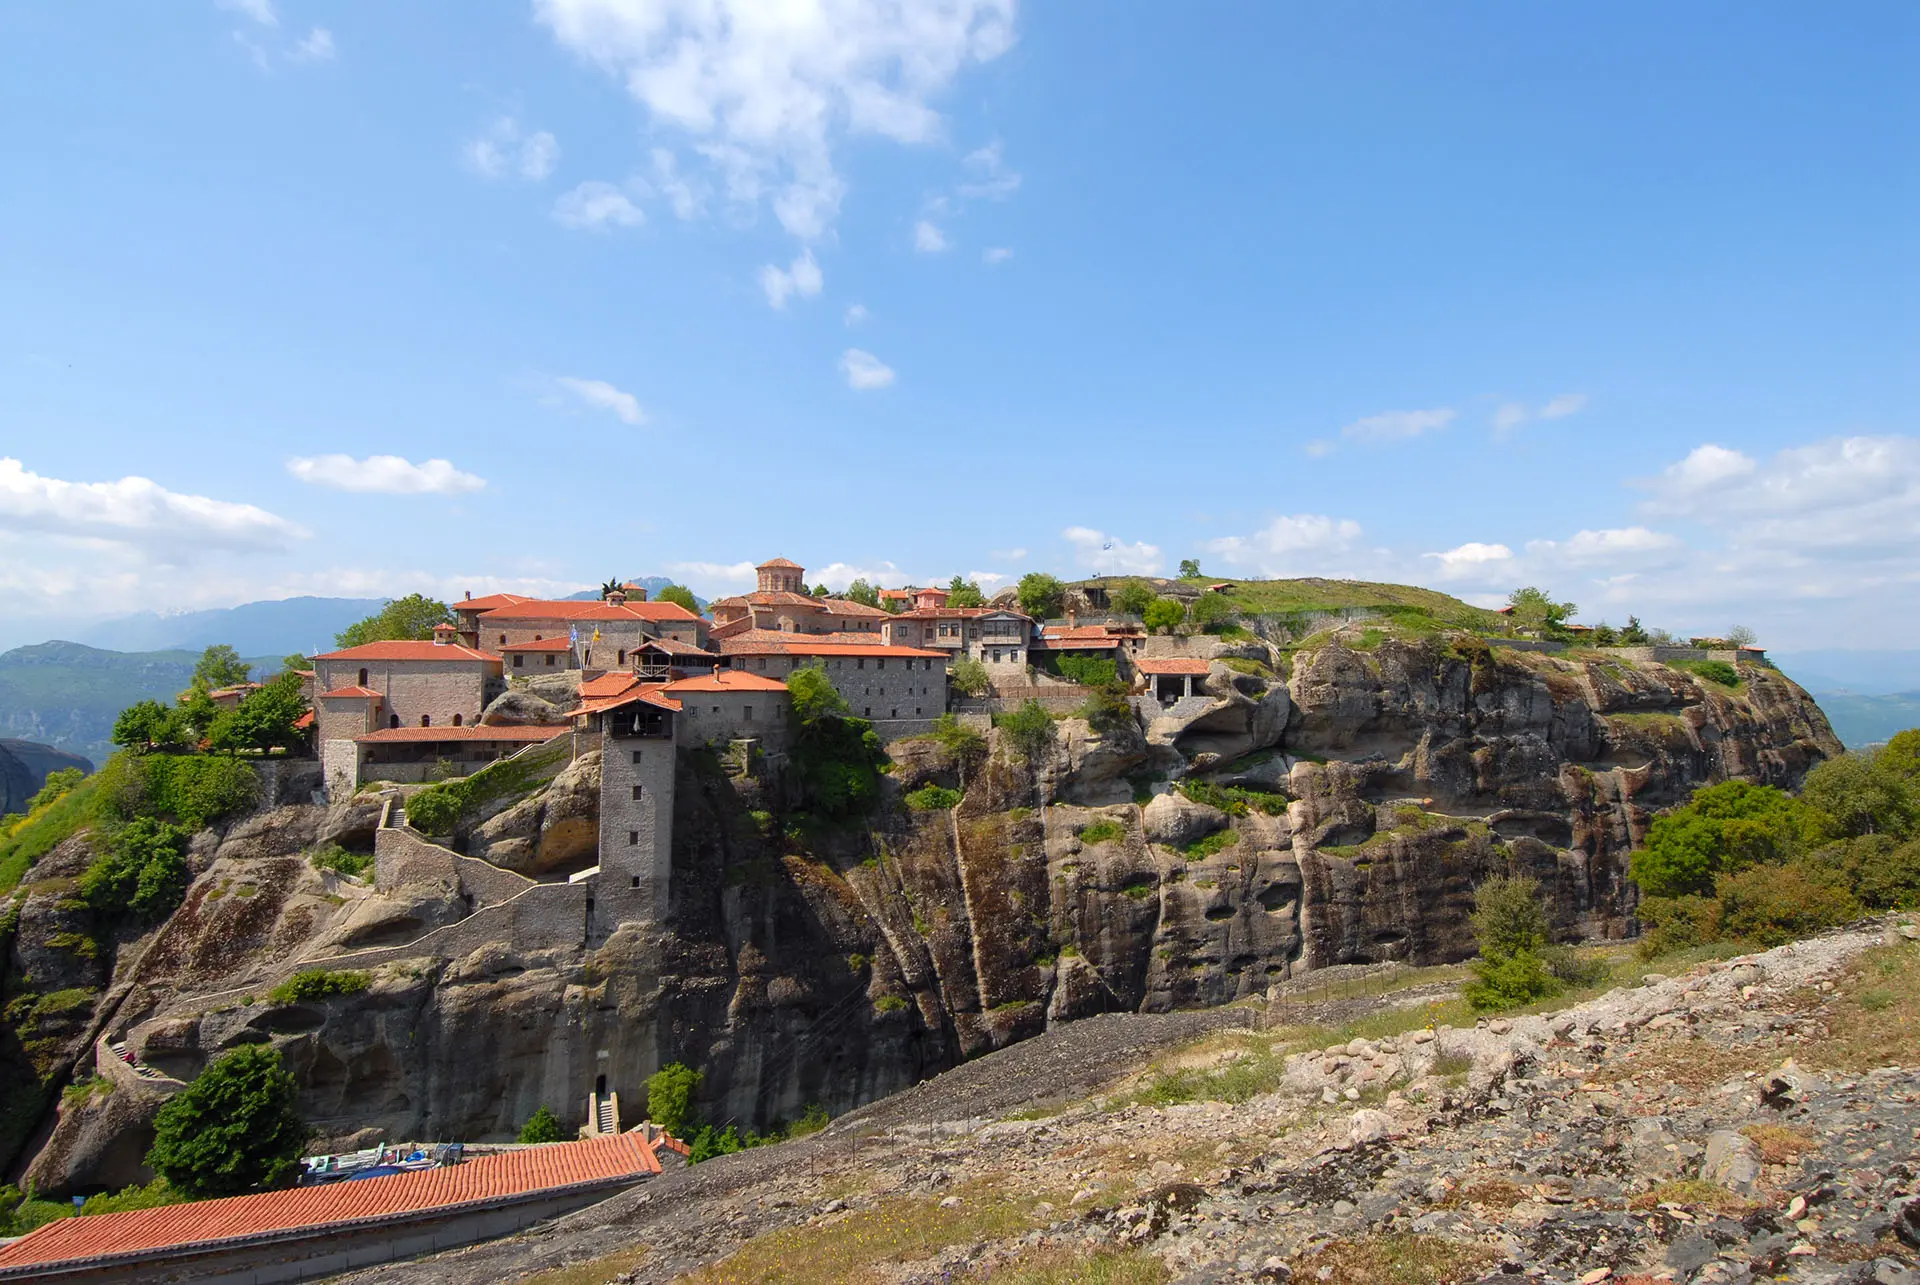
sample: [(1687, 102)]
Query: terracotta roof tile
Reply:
[(407, 650), (473, 732), (485, 1179), (674, 647), (541, 644), (356, 693), (1170, 665), (546, 609), (783, 564), (773, 642), (781, 598), (611, 683), (491, 602), (726, 680)]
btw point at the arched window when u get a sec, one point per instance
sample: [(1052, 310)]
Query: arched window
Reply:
[(456, 720), (621, 656), (426, 720), (363, 678), (393, 720)]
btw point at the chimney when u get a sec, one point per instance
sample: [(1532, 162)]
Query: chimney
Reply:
[(1071, 615), (616, 598), (469, 595), (443, 634)]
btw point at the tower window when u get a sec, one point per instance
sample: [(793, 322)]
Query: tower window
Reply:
[(636, 881), (636, 791), (633, 838), (636, 758)]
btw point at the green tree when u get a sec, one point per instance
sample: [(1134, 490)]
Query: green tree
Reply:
[(1533, 609), (1741, 636), (1041, 595), (1132, 596), (144, 725), (59, 782), (219, 666), (821, 591), (143, 874), (1605, 635), (399, 619), (294, 662), (670, 1093), (1028, 730), (863, 593), (1211, 610), (1511, 928), (1777, 905), (965, 593), (235, 1129), (1189, 568), (836, 757), (968, 676), (197, 712), (814, 696), (958, 739), (678, 593), (1861, 794), (1165, 613), (263, 720), (1632, 634), (542, 1126), (1723, 829), (610, 587)]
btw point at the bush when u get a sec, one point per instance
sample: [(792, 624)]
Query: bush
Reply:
[(155, 1194), (1505, 981), (338, 859), (670, 1097), (1132, 597), (1088, 671), (142, 875), (1104, 830), (1678, 923), (1041, 595), (193, 789), (1107, 712), (543, 1126), (1164, 613), (968, 676), (236, 1128), (317, 983), (1775, 905), (1028, 730), (1724, 828), (1513, 933), (933, 798), (1232, 799), (958, 739), (58, 783), (812, 1120), (1715, 671)]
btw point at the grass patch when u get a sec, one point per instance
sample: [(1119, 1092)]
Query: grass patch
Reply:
[(1139, 889), (1062, 1267), (1105, 830), (81, 1092), (1780, 1143), (1232, 799), (1718, 672), (933, 798), (1241, 665), (316, 984), (1395, 1260), (337, 859), (1875, 1021), (1694, 1193), (1212, 845), (590, 1273)]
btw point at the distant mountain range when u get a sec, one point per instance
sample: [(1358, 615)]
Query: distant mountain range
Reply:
[(253, 628), (652, 584)]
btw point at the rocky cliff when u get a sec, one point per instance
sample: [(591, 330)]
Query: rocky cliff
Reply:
[(24, 768), (1328, 806)]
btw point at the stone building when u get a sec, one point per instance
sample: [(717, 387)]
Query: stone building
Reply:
[(782, 603), (997, 637), (1169, 678), (901, 689), (638, 737), (731, 704), (437, 687), (601, 634)]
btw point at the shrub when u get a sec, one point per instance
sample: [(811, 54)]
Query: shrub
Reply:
[(543, 1126), (1106, 712), (1088, 671), (1105, 830), (58, 783), (338, 859), (1503, 981), (1132, 597), (670, 1097), (968, 676), (1217, 842), (1775, 905), (1715, 671), (155, 1194), (1678, 923), (236, 1128), (1164, 613), (317, 983), (193, 789), (1512, 930), (1232, 799), (436, 810), (812, 1120), (958, 739), (142, 875), (1041, 595), (933, 798), (1722, 829), (1028, 730), (894, 1003)]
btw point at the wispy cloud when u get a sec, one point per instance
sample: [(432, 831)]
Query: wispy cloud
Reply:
[(801, 277), (258, 11), (595, 206), (928, 238), (854, 315), (315, 46), (988, 177), (995, 254), (864, 371), (1108, 555), (1471, 558), (1564, 405), (601, 395), (1290, 544), (1511, 415), (1397, 425), (505, 148), (383, 474)]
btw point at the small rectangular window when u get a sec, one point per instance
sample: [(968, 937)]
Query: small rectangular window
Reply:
[(633, 838), (860, 662), (880, 663), (517, 660), (747, 714), (636, 758), (636, 881), (636, 791)]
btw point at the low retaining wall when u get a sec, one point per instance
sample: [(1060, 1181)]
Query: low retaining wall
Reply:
[(402, 857)]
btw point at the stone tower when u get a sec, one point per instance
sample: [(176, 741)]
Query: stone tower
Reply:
[(636, 815), (782, 576)]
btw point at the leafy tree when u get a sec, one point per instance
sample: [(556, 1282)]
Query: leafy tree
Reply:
[(235, 1129), (821, 591), (58, 783), (1632, 634), (1723, 829), (263, 720), (1107, 711), (145, 725), (1773, 906), (197, 712), (1028, 730), (958, 739), (837, 757), (1132, 596), (1211, 610), (1041, 595), (863, 593), (1862, 794), (814, 695), (1605, 635), (542, 1126), (964, 593), (1533, 609), (678, 593), (399, 619), (968, 676), (1165, 613), (1512, 931), (219, 666), (611, 586), (143, 873), (1189, 568), (1741, 636), (1878, 869), (294, 662), (670, 1097)]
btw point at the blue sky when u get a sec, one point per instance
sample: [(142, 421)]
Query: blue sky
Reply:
[(1619, 299)]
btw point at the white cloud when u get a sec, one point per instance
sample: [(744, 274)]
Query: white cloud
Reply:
[(1606, 545), (1320, 447), (1099, 552), (595, 206), (995, 254), (1472, 558), (686, 194), (988, 175), (802, 277), (505, 148), (385, 474), (1010, 555), (316, 46), (601, 395), (260, 11), (864, 370), (1859, 492), (134, 511), (1564, 405), (765, 93), (1395, 425), (838, 575), (1289, 544), (927, 238), (987, 579), (731, 573), (855, 314), (1510, 416)]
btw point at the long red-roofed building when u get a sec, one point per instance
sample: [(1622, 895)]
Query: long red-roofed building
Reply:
[(315, 1231)]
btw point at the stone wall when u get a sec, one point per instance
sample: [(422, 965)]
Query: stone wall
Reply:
[(436, 690), (715, 718), (340, 768), (636, 828), (1060, 698), (402, 857)]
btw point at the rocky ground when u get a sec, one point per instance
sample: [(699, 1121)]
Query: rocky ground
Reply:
[(1744, 1120)]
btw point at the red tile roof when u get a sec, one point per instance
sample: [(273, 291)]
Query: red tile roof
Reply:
[(543, 609), (305, 721), (398, 650), (774, 642), (356, 693), (781, 598), (238, 689), (673, 647), (1054, 642), (1169, 665), (611, 683), (203, 1224), (541, 644), (491, 602), (726, 680), (472, 732), (651, 693), (783, 564)]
